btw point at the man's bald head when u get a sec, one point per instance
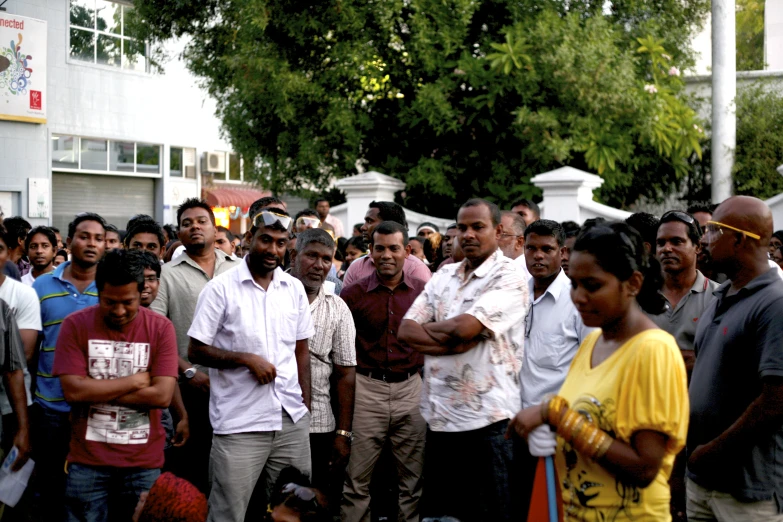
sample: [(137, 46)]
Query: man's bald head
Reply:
[(749, 214)]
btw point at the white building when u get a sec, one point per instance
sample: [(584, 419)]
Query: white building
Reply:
[(118, 139)]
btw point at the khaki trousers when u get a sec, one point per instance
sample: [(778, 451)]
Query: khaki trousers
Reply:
[(385, 410)]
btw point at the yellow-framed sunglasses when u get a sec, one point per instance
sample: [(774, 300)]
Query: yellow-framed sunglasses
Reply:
[(715, 227)]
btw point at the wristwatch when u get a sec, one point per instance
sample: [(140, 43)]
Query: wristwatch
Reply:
[(189, 373), (344, 433)]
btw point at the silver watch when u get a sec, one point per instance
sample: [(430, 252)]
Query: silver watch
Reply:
[(189, 373)]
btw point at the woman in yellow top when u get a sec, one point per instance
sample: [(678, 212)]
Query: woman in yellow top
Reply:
[(621, 415)]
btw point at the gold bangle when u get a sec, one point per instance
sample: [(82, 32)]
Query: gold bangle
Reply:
[(578, 425), (603, 447), (555, 410), (564, 430)]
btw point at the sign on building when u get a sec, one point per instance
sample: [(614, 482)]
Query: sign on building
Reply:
[(22, 69)]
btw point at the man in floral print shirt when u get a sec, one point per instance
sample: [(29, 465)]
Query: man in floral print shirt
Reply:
[(465, 324)]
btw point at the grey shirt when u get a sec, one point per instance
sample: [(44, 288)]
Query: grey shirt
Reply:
[(739, 341), (181, 282), (681, 320)]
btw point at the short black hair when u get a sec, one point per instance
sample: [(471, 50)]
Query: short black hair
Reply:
[(16, 228), (108, 227), (390, 211), (778, 234), (694, 229), (306, 212), (420, 239), (81, 218), (145, 227), (46, 231), (387, 228), (150, 261), (546, 227), (262, 203), (518, 224), (699, 207), (171, 230), (358, 227), (139, 218), (194, 203), (591, 222), (529, 203), (646, 224), (314, 235), (494, 210), (319, 200), (571, 228), (5, 236), (119, 268), (55, 230), (226, 231), (63, 253)]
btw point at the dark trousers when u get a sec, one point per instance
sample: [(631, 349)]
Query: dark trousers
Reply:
[(466, 474), (522, 477), (51, 432), (326, 478), (191, 461)]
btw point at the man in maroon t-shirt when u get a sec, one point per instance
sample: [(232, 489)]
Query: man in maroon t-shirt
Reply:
[(117, 364)]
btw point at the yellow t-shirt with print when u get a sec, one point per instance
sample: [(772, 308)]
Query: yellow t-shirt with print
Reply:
[(641, 386)]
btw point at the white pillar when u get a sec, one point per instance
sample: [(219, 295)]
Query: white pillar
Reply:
[(724, 92), (773, 34), (362, 189)]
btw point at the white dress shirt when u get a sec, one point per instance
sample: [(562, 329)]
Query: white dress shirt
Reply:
[(520, 262), (234, 313), (553, 332)]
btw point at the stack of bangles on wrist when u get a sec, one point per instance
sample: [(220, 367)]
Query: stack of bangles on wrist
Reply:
[(586, 438)]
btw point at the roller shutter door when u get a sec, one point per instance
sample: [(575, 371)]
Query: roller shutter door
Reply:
[(116, 198)]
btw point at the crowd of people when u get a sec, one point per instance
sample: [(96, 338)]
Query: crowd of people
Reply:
[(185, 373)]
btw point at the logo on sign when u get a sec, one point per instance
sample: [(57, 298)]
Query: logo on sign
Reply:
[(35, 100)]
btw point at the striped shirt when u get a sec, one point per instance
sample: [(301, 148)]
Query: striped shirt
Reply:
[(59, 298), (333, 343)]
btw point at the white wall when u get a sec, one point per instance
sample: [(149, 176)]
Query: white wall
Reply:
[(103, 102)]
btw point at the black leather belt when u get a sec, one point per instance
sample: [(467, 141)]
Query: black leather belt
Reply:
[(386, 375)]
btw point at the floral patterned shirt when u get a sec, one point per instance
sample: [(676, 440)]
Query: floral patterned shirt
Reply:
[(480, 387)]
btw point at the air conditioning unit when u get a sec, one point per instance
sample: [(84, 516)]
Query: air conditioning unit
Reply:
[(214, 162)]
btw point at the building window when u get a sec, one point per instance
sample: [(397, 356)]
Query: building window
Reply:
[(99, 34), (126, 157), (234, 168), (182, 163)]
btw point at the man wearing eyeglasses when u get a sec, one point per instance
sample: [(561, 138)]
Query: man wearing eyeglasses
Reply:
[(512, 239), (181, 282), (736, 389), (552, 335), (251, 328)]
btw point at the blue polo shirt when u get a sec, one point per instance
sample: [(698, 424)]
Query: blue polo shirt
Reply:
[(59, 298)]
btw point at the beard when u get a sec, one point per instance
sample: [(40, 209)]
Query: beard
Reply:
[(261, 264)]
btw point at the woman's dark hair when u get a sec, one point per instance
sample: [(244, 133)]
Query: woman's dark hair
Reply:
[(120, 267), (293, 489), (619, 249), (357, 242)]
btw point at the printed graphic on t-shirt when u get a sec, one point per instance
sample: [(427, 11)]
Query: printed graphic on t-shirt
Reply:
[(107, 422)]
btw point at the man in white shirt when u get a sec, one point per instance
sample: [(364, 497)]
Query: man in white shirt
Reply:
[(322, 207), (512, 239), (552, 335), (465, 323), (251, 328), (39, 247)]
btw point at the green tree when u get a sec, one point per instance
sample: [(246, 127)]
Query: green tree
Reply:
[(750, 35), (456, 97)]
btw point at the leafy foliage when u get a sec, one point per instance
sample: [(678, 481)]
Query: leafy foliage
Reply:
[(750, 35), (456, 97)]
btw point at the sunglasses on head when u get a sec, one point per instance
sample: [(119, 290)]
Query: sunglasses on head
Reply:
[(267, 218)]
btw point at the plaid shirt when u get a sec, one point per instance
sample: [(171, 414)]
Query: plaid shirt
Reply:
[(333, 343)]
